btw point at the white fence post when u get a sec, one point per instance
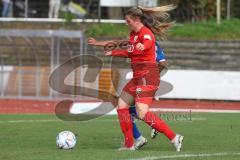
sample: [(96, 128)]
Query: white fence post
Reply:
[(218, 11)]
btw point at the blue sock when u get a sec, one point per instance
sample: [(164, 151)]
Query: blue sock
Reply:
[(136, 133)]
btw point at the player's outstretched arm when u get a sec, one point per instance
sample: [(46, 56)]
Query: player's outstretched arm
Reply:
[(94, 42)]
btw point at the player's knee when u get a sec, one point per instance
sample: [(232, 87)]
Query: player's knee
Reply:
[(141, 114), (122, 104), (142, 110)]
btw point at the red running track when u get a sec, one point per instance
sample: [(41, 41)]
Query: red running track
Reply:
[(17, 106)]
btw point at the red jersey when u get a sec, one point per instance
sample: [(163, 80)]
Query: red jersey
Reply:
[(146, 37), (142, 61)]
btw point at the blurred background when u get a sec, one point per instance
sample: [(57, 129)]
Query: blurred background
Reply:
[(187, 11), (202, 49), (199, 94)]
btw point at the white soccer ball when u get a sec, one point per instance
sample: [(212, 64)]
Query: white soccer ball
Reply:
[(66, 140)]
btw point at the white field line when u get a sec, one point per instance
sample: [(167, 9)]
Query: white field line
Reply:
[(30, 121), (152, 109), (195, 110), (98, 120), (187, 156)]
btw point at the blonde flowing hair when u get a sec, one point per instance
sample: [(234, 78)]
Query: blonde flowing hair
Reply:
[(154, 18)]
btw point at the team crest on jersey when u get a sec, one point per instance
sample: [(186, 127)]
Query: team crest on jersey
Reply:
[(135, 38)]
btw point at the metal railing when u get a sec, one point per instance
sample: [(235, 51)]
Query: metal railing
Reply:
[(79, 8), (98, 9), (27, 57)]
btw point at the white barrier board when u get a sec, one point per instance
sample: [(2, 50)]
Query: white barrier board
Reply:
[(213, 85)]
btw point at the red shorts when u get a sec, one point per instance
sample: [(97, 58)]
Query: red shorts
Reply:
[(143, 89)]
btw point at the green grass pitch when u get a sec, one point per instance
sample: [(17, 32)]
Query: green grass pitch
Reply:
[(208, 136)]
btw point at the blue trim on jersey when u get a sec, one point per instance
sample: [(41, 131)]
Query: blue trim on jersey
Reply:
[(160, 56)]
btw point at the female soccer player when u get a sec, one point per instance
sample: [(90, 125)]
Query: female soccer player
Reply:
[(143, 22), (140, 90)]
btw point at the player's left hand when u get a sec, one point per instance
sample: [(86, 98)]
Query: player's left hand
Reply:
[(140, 47), (108, 53), (92, 41)]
